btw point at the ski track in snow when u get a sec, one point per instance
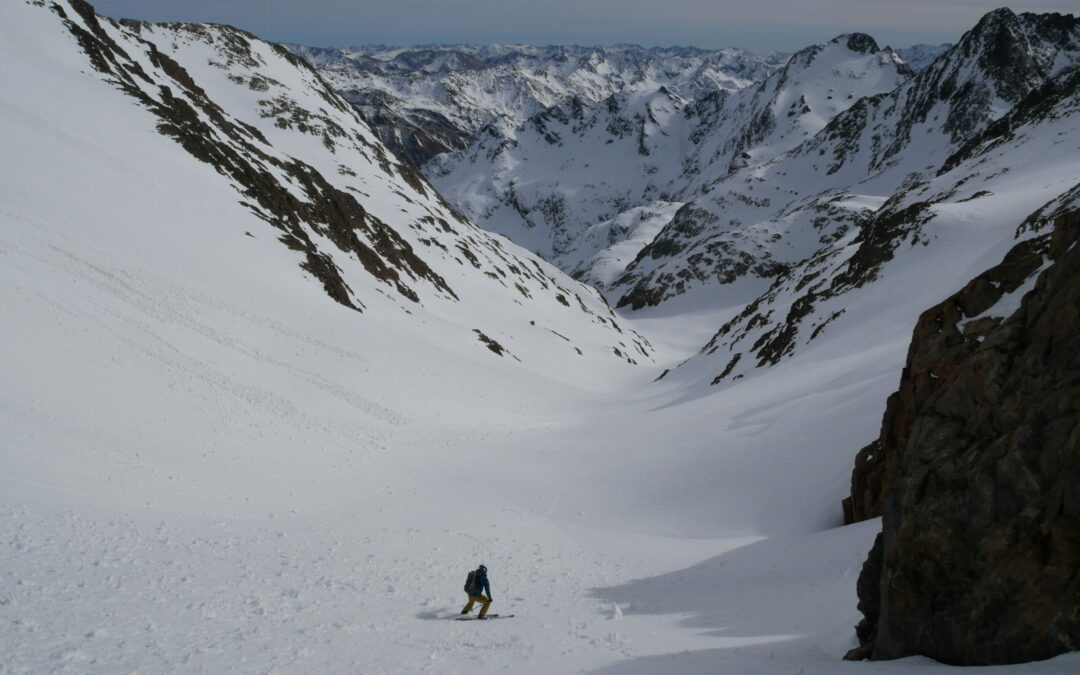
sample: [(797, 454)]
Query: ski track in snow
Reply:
[(206, 466)]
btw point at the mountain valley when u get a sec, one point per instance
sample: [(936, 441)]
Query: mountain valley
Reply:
[(297, 336)]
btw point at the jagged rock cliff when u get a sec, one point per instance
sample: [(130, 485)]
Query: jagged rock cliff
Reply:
[(977, 470)]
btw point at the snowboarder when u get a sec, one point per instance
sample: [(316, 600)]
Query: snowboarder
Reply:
[(479, 584)]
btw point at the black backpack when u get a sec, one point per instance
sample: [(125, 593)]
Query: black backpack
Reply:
[(471, 585)]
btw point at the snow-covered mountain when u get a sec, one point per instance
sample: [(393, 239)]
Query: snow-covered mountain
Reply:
[(904, 191), (921, 55), (555, 182), (424, 101), (776, 184)]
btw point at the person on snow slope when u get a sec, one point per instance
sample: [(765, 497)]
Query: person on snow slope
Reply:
[(479, 585)]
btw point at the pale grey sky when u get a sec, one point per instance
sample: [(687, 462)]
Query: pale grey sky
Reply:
[(784, 25)]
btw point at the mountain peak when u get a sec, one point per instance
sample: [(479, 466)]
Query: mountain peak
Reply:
[(860, 43), (996, 16)]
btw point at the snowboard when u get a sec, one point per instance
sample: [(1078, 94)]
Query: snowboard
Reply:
[(476, 618)]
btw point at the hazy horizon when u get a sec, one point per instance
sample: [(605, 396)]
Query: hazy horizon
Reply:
[(780, 25)]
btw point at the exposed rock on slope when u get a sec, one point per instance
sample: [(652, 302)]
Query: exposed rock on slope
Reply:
[(977, 471), (416, 135)]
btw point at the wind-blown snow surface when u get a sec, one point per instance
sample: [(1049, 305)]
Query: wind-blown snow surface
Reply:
[(207, 466)]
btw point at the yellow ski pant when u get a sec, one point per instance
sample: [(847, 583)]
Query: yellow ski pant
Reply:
[(484, 604)]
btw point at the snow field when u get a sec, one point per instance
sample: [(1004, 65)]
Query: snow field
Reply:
[(196, 484)]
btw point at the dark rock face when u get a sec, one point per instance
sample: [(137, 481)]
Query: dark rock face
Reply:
[(861, 43), (977, 474), (415, 135), (869, 602), (937, 347)]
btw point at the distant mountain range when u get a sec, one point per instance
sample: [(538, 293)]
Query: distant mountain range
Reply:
[(424, 101), (557, 182), (774, 184)]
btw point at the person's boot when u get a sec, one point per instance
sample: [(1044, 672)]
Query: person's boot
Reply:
[(464, 611), (482, 618)]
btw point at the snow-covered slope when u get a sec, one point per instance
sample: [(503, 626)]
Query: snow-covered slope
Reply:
[(309, 176), (551, 183), (428, 100), (571, 166)]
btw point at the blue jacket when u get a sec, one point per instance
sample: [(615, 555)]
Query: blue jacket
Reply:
[(482, 582)]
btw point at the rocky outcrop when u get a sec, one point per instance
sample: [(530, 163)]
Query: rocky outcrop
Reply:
[(725, 258), (940, 342), (977, 472)]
